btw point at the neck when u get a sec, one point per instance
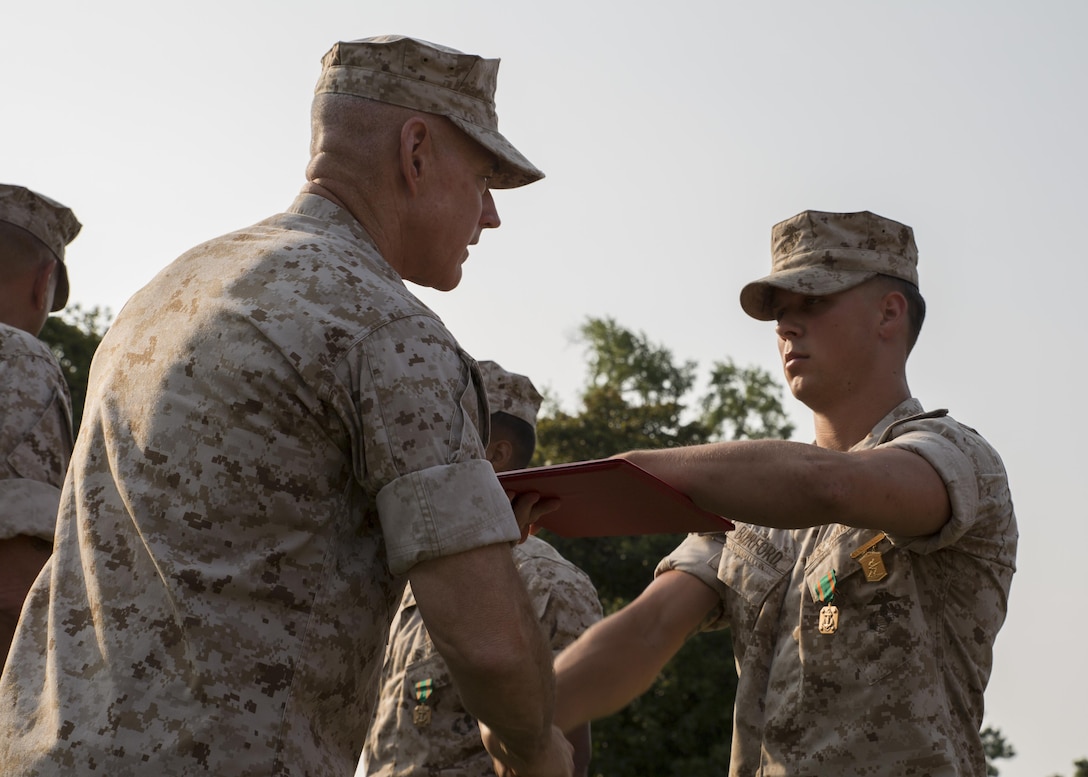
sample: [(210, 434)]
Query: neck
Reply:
[(359, 206), (844, 426)]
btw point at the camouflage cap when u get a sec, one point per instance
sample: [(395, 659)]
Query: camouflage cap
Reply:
[(508, 392), (49, 221), (820, 253), (427, 77)]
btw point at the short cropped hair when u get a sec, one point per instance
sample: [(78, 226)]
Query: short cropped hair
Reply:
[(520, 434), (916, 306), (20, 251)]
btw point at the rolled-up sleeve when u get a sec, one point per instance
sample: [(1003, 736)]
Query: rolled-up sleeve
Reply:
[(418, 426), (699, 555), (973, 476), (444, 510)]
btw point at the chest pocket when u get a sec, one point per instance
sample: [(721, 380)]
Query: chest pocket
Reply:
[(449, 744), (433, 671), (880, 628), (753, 563)]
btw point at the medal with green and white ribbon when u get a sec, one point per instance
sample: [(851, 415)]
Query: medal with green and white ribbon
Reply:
[(421, 715), (824, 591)]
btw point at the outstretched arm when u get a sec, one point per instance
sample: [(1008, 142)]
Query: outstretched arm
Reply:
[(792, 485), (617, 659)]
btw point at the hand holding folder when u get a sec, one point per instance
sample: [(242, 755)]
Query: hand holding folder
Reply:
[(610, 498)]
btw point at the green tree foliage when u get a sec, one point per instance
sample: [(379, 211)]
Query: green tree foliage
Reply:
[(638, 396), (74, 336), (995, 747), (1080, 768)]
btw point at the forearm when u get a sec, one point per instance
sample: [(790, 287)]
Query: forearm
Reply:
[(617, 659), (479, 617), (743, 480), (602, 672), (513, 693), (787, 485)]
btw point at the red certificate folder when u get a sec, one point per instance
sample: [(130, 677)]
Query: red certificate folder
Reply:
[(610, 498)]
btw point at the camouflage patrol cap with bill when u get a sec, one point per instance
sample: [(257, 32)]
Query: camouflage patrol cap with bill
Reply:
[(817, 253), (50, 222), (508, 392), (435, 79)]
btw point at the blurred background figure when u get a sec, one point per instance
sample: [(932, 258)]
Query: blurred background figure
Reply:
[(35, 409), (421, 727)]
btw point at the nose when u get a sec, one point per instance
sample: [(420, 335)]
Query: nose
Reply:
[(489, 216), (787, 326)]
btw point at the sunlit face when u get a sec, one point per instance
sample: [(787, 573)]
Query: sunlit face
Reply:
[(827, 344), (459, 206)]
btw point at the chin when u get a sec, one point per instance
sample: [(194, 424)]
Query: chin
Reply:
[(447, 284)]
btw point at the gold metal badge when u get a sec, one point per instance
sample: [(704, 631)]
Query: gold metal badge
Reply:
[(421, 716), (872, 563), (829, 619)]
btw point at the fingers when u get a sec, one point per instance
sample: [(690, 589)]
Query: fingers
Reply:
[(555, 760), (529, 508)]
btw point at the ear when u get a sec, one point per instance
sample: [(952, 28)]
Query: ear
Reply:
[(44, 286), (893, 312), (500, 453), (416, 143)]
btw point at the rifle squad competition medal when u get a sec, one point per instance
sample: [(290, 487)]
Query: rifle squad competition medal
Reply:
[(829, 619), (824, 591), (872, 563), (421, 715)]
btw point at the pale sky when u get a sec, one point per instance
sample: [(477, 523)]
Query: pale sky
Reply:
[(673, 136)]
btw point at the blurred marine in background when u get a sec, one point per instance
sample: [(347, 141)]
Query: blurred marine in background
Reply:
[(422, 727), (35, 407)]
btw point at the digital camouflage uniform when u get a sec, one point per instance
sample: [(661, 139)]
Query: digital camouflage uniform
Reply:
[(897, 689), (35, 435), (276, 430), (449, 745)]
